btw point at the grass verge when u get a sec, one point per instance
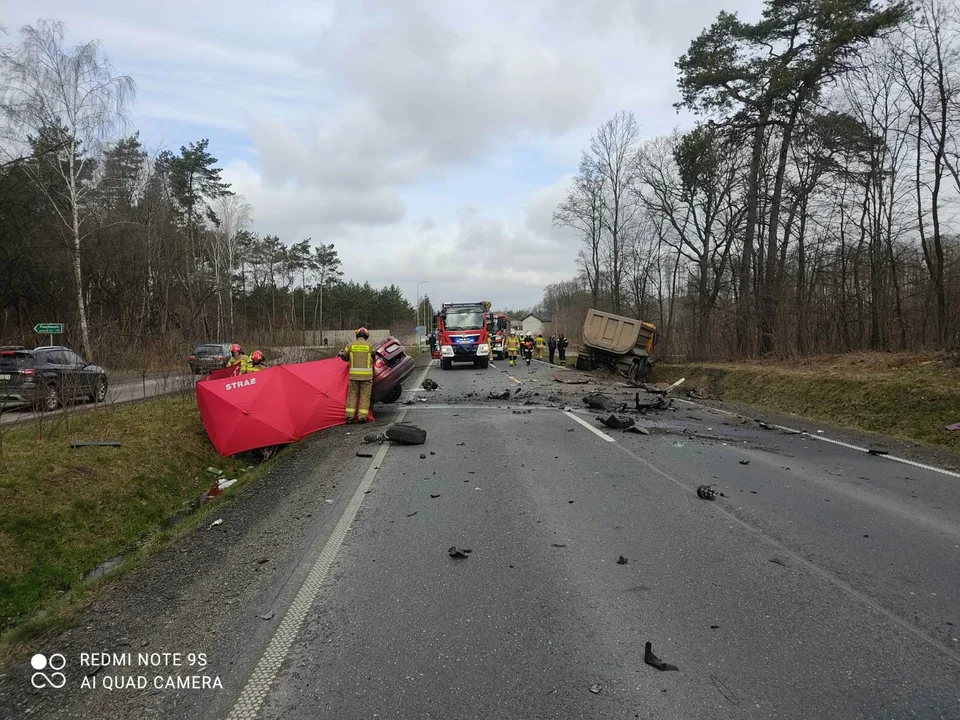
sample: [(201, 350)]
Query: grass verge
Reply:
[(906, 396), (64, 512)]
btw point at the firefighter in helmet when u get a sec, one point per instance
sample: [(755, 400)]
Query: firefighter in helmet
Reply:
[(359, 354), (255, 364), (237, 358), (513, 347), (538, 343)]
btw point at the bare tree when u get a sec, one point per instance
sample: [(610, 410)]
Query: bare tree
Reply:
[(71, 96), (582, 211), (613, 154)]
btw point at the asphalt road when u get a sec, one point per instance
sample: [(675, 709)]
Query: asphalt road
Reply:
[(120, 389), (824, 583)]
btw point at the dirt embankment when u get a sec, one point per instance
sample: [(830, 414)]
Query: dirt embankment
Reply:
[(908, 396)]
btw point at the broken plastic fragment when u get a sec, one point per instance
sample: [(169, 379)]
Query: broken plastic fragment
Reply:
[(650, 659)]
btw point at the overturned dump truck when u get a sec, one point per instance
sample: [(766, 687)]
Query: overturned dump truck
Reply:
[(618, 342)]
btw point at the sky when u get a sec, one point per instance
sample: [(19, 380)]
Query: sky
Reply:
[(429, 140)]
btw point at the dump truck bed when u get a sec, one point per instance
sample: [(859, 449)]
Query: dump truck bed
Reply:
[(615, 334)]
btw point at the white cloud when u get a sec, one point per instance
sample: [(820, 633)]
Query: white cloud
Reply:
[(326, 115)]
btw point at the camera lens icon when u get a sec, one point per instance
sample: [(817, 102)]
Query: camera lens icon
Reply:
[(41, 662)]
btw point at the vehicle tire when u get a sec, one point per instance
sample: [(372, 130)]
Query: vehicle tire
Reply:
[(99, 390), (446, 364), (50, 400), (483, 364), (393, 395), (583, 363), (406, 434)]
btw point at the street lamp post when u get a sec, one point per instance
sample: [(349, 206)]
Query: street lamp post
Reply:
[(422, 282)]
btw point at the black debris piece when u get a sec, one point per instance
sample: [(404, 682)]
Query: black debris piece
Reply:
[(505, 395), (403, 433), (622, 560), (617, 422), (714, 627), (363, 453), (744, 462), (596, 688), (517, 390), (435, 496), (412, 514), (650, 659), (108, 443), (878, 451), (423, 456), (461, 444), (456, 552), (598, 401), (706, 492), (778, 561), (430, 384), (558, 545), (637, 430)]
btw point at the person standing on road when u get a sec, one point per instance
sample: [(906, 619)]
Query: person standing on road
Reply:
[(360, 356), (562, 348), (513, 347), (552, 344), (538, 343), (237, 358), (528, 348)]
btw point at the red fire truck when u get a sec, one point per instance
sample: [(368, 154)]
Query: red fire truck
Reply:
[(462, 334), (498, 327)]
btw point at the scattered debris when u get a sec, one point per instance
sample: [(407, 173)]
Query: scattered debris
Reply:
[(598, 401), (218, 521), (636, 429), (505, 395), (694, 395), (456, 552), (744, 462), (268, 616), (706, 492), (404, 433), (650, 659), (723, 689), (560, 545), (596, 688), (329, 502), (955, 426), (108, 443), (878, 451), (435, 496), (662, 388), (778, 561), (362, 453), (216, 471), (622, 560), (461, 444), (412, 514), (571, 381), (617, 422), (429, 384), (521, 412)]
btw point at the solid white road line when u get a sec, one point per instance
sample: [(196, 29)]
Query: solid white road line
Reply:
[(255, 691), (588, 426), (823, 438)]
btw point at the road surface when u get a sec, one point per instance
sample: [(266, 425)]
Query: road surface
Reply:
[(823, 583), (120, 389)]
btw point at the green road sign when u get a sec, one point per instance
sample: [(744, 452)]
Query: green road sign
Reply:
[(48, 328)]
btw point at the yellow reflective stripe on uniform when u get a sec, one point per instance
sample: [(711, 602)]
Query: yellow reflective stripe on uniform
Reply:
[(360, 361)]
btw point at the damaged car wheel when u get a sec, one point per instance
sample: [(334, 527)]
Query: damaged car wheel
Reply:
[(393, 395)]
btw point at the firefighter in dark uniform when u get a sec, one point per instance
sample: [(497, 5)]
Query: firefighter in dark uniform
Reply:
[(360, 356), (562, 343)]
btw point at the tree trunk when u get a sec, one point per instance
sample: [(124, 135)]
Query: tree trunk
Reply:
[(77, 265), (745, 311)]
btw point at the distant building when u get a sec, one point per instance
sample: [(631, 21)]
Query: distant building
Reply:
[(534, 324)]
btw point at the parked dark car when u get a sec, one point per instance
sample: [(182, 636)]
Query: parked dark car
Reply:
[(391, 367), (48, 376), (209, 356)]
